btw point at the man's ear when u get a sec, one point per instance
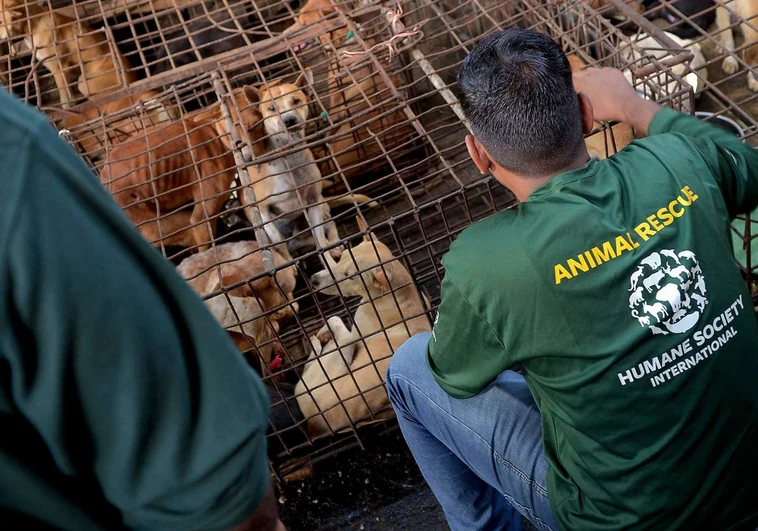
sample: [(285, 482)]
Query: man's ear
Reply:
[(478, 154), (585, 109)]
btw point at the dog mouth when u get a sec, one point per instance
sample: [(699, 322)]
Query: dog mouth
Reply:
[(302, 46)]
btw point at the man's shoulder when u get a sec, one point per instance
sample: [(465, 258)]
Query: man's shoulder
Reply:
[(16, 118), (483, 245)]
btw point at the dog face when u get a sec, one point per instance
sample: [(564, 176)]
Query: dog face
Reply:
[(13, 19), (284, 106), (366, 259)]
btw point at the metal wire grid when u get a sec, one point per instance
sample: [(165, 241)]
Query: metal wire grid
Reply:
[(411, 157), (709, 27)]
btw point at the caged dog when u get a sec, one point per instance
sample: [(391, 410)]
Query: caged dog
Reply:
[(180, 173), (747, 11), (233, 263), (290, 184), (359, 96), (390, 301), (77, 56)]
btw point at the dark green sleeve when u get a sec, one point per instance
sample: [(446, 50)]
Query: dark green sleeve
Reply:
[(734, 163), (464, 354), (117, 363)]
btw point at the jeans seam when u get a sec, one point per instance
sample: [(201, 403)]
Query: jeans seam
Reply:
[(540, 490), (524, 509)]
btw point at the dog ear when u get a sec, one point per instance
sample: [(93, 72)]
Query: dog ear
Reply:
[(252, 94), (382, 276), (305, 79), (363, 227)]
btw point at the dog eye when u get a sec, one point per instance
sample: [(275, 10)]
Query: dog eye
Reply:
[(272, 108), (296, 101)]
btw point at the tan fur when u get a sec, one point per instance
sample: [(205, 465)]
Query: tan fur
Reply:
[(165, 169), (348, 98), (747, 11), (227, 264), (290, 184), (367, 359), (77, 56), (607, 142)]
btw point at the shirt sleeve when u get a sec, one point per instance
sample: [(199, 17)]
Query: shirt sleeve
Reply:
[(118, 365), (734, 163), (464, 353)]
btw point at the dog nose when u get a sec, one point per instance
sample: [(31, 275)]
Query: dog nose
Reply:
[(290, 121)]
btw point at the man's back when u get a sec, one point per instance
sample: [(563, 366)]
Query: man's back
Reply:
[(611, 287), (122, 402)]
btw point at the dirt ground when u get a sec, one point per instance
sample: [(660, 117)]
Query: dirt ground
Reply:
[(379, 489)]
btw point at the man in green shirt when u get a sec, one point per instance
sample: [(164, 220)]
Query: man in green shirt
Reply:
[(612, 287), (123, 404)]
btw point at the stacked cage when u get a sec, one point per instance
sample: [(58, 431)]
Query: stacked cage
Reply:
[(302, 164)]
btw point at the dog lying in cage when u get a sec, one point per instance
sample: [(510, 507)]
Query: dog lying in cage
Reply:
[(229, 264), (358, 96), (355, 360), (173, 180), (79, 57)]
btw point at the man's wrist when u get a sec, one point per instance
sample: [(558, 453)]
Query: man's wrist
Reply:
[(638, 113)]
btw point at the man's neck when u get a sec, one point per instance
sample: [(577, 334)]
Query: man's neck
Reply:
[(522, 187)]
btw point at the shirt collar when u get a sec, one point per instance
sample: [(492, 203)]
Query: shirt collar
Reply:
[(588, 170)]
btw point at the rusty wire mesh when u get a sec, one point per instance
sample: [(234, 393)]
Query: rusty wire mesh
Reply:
[(723, 37), (185, 139)]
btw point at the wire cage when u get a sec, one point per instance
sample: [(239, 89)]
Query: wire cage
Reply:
[(723, 38), (303, 164)]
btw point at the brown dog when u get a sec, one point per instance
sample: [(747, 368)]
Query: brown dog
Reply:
[(390, 302), (606, 142), (747, 11), (358, 97), (172, 180), (77, 56), (231, 263)]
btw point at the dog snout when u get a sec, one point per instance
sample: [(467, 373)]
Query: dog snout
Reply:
[(290, 121), (321, 279)]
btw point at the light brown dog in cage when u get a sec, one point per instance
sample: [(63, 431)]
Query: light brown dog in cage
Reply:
[(747, 13), (358, 96), (172, 180), (229, 264), (390, 311), (290, 185), (606, 142), (78, 57)]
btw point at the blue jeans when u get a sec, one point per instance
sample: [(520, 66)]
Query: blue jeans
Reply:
[(482, 456)]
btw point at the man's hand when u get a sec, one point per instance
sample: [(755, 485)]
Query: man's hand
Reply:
[(613, 99)]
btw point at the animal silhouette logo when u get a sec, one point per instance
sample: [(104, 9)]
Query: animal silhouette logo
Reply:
[(668, 292)]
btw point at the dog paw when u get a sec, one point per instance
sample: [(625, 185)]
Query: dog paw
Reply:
[(752, 82), (336, 253), (333, 324), (730, 65)]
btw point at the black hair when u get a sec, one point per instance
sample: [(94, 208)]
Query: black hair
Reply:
[(518, 94)]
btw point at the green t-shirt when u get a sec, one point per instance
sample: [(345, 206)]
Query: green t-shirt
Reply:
[(122, 402), (614, 289)]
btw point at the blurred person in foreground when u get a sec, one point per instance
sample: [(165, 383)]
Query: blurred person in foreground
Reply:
[(123, 404), (612, 287)]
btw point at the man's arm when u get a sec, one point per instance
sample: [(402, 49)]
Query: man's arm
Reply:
[(118, 364), (464, 354), (734, 164)]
